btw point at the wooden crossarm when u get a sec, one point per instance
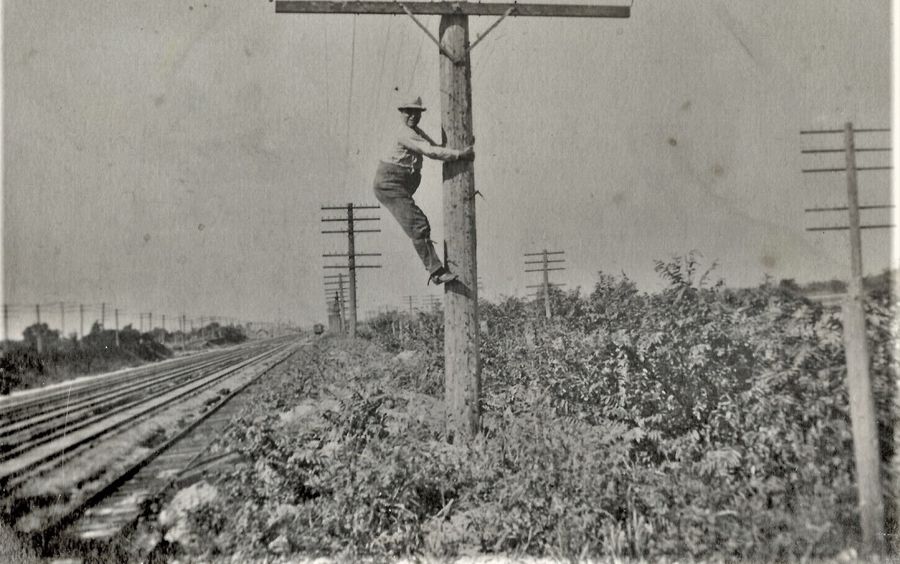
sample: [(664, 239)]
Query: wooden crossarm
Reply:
[(450, 8)]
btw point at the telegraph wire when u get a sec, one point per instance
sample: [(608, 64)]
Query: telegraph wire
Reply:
[(349, 102)]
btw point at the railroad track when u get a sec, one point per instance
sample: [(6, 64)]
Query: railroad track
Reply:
[(45, 435)]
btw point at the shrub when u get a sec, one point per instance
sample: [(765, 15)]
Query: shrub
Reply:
[(698, 421)]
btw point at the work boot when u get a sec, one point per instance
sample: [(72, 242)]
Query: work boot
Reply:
[(442, 275)]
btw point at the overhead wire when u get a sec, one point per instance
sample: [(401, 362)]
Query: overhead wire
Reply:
[(412, 74), (349, 102), (380, 75), (327, 78), (376, 112)]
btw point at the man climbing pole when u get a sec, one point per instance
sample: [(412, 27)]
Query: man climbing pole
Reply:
[(398, 177)]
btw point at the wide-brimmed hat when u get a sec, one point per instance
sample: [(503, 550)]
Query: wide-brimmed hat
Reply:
[(414, 105)]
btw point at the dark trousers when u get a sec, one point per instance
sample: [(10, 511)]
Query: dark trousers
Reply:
[(394, 187)]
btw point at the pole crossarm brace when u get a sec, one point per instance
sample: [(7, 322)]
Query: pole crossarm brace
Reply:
[(355, 231), (346, 267), (430, 35), (542, 262), (542, 254), (544, 269), (490, 28), (541, 285), (354, 219)]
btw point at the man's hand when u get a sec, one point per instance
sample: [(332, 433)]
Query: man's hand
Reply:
[(467, 154)]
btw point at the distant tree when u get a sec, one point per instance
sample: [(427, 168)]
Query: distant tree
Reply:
[(789, 284), (49, 337)]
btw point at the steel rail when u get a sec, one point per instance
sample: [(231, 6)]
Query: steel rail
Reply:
[(14, 473), (93, 526), (72, 425), (105, 395), (77, 389)]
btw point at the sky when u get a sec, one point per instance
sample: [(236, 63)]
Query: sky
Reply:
[(172, 156)]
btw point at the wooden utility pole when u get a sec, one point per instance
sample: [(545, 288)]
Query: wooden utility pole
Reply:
[(118, 343), (351, 254), (863, 417), (103, 316), (334, 283), (6, 328), (462, 372), (545, 285), (334, 314), (39, 332), (81, 319), (862, 403), (62, 320), (462, 362)]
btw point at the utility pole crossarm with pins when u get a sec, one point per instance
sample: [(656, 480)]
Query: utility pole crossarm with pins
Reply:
[(462, 370)]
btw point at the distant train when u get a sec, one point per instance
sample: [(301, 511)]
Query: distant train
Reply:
[(318, 328)]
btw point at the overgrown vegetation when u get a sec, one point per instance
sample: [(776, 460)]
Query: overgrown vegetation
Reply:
[(62, 358), (699, 422)]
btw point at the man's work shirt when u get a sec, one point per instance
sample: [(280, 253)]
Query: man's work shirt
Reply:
[(411, 144)]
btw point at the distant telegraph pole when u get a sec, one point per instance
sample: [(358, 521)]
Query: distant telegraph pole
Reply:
[(118, 344), (409, 301), (862, 404), (39, 332), (351, 254), (81, 319), (545, 268), (5, 328), (334, 285)]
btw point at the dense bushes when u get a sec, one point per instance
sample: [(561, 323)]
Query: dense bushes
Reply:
[(23, 366), (100, 350), (698, 421)]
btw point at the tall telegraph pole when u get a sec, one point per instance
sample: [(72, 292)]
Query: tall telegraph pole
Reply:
[(863, 418), (545, 268), (351, 254), (462, 371)]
